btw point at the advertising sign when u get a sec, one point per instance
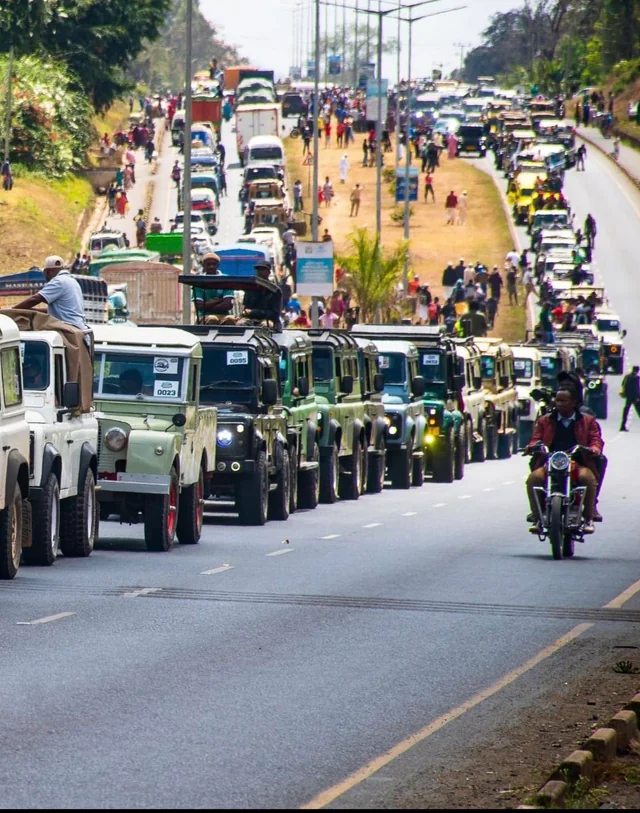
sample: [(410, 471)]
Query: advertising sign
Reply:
[(335, 65), (414, 177), (295, 73), (311, 68), (373, 86), (314, 266)]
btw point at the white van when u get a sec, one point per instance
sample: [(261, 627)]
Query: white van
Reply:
[(265, 149)]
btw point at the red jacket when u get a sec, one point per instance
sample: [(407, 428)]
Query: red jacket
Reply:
[(588, 434)]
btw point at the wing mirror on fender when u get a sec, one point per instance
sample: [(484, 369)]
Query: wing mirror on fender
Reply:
[(378, 382), (418, 386), (346, 384)]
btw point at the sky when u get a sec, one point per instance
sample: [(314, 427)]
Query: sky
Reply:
[(264, 30)]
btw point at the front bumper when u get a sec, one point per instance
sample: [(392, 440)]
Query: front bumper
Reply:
[(136, 484), (230, 467)]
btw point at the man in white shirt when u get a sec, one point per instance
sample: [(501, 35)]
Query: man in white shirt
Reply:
[(514, 258), (61, 293)]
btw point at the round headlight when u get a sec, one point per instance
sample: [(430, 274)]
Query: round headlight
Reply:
[(115, 439), (560, 461), (225, 437), (393, 430), (592, 385)]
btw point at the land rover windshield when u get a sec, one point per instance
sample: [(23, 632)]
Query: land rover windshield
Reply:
[(488, 364), (123, 376), (322, 364), (607, 325), (393, 368), (228, 374), (35, 365), (523, 369), (549, 368)]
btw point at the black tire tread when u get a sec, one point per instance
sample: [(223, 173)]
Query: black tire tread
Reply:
[(73, 521)]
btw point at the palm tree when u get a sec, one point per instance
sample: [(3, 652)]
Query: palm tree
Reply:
[(372, 273)]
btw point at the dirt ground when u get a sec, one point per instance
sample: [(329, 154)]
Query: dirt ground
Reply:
[(509, 774), (485, 235)]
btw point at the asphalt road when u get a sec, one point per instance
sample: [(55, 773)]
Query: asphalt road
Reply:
[(251, 672)]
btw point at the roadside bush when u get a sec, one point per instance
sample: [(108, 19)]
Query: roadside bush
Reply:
[(625, 73), (50, 123)]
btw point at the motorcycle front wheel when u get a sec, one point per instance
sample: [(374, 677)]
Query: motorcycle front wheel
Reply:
[(555, 526)]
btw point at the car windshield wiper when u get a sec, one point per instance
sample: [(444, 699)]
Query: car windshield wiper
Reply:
[(217, 384)]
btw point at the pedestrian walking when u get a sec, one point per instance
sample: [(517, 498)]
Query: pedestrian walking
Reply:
[(590, 231), (428, 188), (327, 191), (297, 196), (176, 174), (581, 154), (630, 391), (461, 211), (344, 168), (327, 134), (451, 204), (355, 198), (365, 153), (306, 141), (512, 287), (452, 146), (111, 198)]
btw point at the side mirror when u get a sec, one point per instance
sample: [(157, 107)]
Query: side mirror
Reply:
[(418, 386), (477, 382), (270, 391), (624, 333), (303, 386), (378, 382), (179, 419), (504, 380), (346, 384), (458, 382), (71, 395)]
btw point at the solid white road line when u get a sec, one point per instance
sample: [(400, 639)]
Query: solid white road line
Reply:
[(46, 620), (331, 536), (216, 570), (280, 552), (508, 483), (144, 591), (372, 525)]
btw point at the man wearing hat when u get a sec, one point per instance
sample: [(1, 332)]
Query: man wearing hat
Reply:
[(213, 306), (61, 294), (263, 305)]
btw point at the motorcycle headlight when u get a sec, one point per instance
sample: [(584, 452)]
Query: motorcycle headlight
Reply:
[(115, 439), (560, 461), (225, 437), (592, 385)]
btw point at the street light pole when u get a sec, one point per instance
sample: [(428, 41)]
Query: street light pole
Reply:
[(7, 131), (397, 133), (407, 160), (316, 143), (186, 175)]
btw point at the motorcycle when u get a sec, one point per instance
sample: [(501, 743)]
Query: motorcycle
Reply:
[(560, 501)]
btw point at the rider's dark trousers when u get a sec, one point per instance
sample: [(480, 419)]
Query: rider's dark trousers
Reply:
[(586, 477)]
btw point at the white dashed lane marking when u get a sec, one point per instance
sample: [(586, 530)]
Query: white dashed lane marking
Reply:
[(280, 552), (439, 505), (46, 620), (330, 536), (465, 496), (410, 514), (144, 591), (372, 525), (216, 570)]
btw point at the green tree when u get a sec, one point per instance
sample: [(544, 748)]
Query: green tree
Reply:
[(97, 40), (161, 64), (371, 272)]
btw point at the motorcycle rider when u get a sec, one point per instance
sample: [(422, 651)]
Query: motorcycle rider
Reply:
[(563, 428)]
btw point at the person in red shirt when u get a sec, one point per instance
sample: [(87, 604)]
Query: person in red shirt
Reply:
[(302, 320), (451, 205), (428, 187), (339, 134)]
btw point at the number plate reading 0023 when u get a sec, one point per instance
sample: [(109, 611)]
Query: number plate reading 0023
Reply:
[(165, 389)]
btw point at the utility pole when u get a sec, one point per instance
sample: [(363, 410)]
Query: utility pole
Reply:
[(355, 52), (186, 175), (7, 131), (462, 46), (316, 144), (397, 128), (343, 70)]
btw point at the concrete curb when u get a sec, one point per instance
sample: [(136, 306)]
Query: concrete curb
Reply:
[(635, 181), (601, 747)]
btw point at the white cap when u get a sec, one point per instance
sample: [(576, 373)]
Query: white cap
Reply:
[(54, 262)]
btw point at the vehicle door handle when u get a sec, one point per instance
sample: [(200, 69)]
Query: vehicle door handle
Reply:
[(69, 441), (6, 448)]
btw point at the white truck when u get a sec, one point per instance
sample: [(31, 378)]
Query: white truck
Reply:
[(63, 446), (14, 454), (256, 120)]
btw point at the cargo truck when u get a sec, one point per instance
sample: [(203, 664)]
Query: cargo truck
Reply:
[(256, 120)]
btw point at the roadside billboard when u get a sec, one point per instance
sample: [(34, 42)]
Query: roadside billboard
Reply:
[(314, 269)]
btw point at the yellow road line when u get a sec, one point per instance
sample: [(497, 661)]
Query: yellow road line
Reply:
[(331, 794)]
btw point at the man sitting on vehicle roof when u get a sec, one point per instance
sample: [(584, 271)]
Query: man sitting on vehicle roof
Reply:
[(263, 305), (213, 306)]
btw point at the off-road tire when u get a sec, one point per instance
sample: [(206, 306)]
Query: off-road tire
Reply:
[(45, 536), (329, 474), (309, 483), (468, 442), (11, 536), (161, 517), (375, 472), (444, 462), (505, 445), (79, 521), (492, 443), (293, 478), (400, 467), (350, 481), (417, 472), (568, 546), (481, 449), (364, 467), (460, 452), (280, 498), (252, 494), (191, 512)]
